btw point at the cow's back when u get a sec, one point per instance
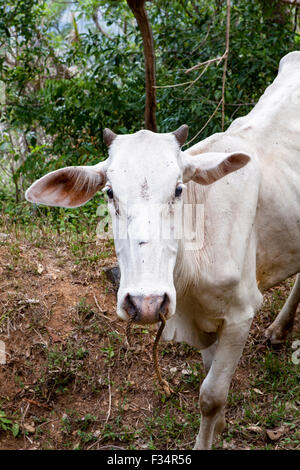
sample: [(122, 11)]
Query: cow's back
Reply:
[(276, 130)]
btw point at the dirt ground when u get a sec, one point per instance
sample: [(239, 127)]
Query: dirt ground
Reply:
[(71, 382)]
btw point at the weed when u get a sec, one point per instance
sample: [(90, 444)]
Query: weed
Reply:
[(86, 437), (62, 367), (117, 432), (109, 354), (86, 421), (7, 424)]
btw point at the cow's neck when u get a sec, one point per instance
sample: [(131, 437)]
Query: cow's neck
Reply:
[(214, 224)]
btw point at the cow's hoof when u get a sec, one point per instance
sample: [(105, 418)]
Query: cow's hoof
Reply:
[(220, 425), (275, 334), (200, 447)]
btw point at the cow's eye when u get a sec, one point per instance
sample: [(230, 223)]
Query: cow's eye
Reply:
[(110, 193), (178, 191)]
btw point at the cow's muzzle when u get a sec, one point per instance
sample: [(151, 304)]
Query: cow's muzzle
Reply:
[(145, 309)]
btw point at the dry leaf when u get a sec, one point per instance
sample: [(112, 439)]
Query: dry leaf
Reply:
[(29, 428), (275, 434), (186, 371), (254, 428), (40, 268), (228, 445), (29, 301), (290, 406)]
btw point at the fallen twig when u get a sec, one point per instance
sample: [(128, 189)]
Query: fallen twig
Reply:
[(36, 403), (109, 399)]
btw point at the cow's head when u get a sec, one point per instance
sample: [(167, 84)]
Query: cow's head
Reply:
[(144, 180)]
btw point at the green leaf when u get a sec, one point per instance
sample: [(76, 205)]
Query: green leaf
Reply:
[(15, 429)]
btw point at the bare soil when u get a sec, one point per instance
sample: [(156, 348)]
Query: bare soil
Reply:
[(71, 382)]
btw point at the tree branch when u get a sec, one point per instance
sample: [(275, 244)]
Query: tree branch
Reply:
[(225, 61), (138, 9), (206, 62), (98, 25), (218, 60)]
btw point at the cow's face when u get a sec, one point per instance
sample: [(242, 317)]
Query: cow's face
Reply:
[(144, 180), (144, 184)]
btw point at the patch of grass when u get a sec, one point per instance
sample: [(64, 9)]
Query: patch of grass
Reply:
[(235, 399), (109, 354), (8, 424), (86, 437), (166, 427), (84, 310), (173, 423), (277, 374), (118, 432), (63, 366), (194, 376), (84, 422)]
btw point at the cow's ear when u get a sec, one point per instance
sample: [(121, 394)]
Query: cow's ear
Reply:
[(68, 187), (207, 168)]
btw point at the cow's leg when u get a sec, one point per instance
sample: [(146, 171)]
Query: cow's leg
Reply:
[(284, 321), (208, 355), (215, 387)]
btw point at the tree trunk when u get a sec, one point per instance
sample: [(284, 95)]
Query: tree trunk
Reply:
[(292, 2), (276, 11), (139, 11)]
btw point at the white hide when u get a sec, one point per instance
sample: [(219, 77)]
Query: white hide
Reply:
[(252, 228), (140, 200)]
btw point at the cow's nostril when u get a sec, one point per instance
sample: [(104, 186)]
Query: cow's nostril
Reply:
[(165, 304), (146, 308), (130, 306)]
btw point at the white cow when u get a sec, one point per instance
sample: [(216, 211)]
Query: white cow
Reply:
[(210, 291)]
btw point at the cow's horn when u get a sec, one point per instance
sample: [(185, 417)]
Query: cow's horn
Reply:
[(181, 134), (108, 137)]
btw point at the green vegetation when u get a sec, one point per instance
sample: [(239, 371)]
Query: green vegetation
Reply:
[(68, 70), (7, 424)]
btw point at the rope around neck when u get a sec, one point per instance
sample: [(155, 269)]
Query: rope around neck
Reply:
[(128, 330), (164, 384)]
